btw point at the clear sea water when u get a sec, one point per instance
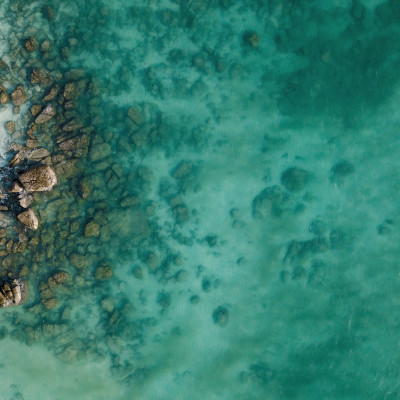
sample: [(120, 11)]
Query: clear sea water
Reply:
[(250, 218)]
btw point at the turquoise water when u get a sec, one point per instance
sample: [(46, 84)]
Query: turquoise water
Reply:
[(234, 234)]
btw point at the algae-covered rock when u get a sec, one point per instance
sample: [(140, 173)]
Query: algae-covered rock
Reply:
[(92, 229), (294, 179), (29, 219), (103, 273), (18, 96), (39, 179)]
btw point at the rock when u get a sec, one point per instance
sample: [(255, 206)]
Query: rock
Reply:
[(100, 151), (45, 46), (69, 91), (295, 179), (92, 229), (51, 93), (39, 179), (31, 44), (13, 293), (35, 109), (341, 170), (135, 115), (16, 188), (10, 126), (103, 273), (31, 143), (84, 189), (18, 96), (250, 38), (38, 154), (46, 115), (41, 77), (220, 316), (4, 99), (25, 200), (29, 219)]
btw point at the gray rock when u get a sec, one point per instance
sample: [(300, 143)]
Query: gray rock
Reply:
[(29, 219), (39, 179), (46, 115)]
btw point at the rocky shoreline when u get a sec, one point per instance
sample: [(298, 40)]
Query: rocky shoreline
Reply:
[(49, 147)]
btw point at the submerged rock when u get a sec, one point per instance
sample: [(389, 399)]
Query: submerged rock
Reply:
[(31, 44), (103, 273), (39, 179), (220, 316), (29, 219), (294, 179), (12, 294), (40, 77), (92, 229), (18, 96), (269, 201), (46, 115)]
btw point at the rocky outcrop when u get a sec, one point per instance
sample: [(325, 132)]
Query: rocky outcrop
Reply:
[(46, 115), (39, 179), (29, 219), (13, 293)]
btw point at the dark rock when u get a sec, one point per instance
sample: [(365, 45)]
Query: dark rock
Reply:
[(341, 170), (294, 179), (220, 316), (250, 38), (269, 202)]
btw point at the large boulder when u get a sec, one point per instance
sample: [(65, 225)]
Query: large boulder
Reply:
[(39, 179), (29, 219), (46, 115), (13, 293)]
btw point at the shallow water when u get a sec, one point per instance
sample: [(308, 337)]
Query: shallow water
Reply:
[(247, 207)]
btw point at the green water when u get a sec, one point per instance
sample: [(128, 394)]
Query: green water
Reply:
[(247, 208)]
